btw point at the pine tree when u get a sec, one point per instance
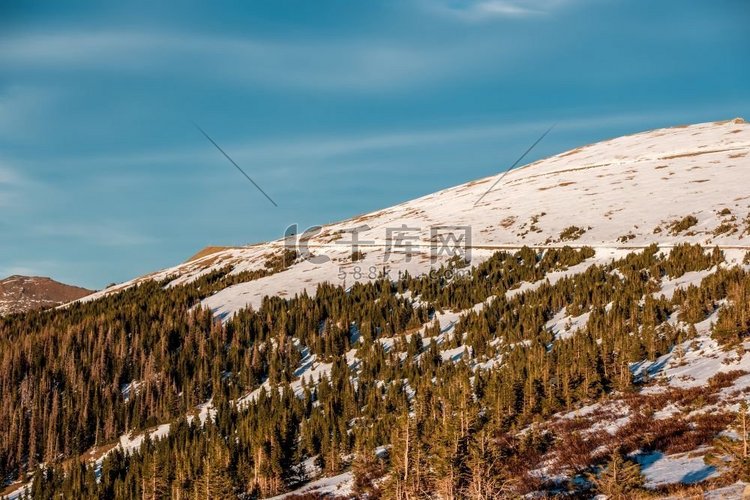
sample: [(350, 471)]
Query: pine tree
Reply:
[(402, 484), (485, 477), (734, 454), (368, 468), (153, 482), (619, 479), (214, 481)]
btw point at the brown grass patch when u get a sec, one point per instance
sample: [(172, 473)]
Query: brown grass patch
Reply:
[(562, 184), (572, 233), (567, 170), (207, 251), (508, 221), (99, 452), (694, 153), (678, 226), (736, 121), (477, 182), (571, 152), (725, 228)]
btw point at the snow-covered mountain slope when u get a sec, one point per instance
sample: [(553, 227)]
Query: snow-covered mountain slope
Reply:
[(25, 293), (674, 185)]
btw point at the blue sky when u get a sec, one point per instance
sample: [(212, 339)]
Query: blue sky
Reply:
[(334, 107)]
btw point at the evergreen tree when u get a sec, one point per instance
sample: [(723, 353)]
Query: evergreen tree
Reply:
[(619, 479), (734, 454)]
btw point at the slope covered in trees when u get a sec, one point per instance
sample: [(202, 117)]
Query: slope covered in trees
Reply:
[(412, 407)]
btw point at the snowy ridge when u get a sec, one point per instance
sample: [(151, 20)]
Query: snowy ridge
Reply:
[(620, 194)]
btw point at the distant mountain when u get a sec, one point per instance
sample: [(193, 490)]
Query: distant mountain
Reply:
[(26, 293)]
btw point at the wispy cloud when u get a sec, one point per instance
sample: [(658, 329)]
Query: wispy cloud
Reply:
[(22, 106), (10, 183), (253, 151), (103, 234), (8, 176), (483, 10), (327, 64)]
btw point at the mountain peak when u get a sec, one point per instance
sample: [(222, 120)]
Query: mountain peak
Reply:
[(20, 293)]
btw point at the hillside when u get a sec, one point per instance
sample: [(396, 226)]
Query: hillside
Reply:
[(620, 194), (595, 339), (26, 293)]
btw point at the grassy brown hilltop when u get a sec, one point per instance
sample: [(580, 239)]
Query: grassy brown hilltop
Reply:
[(27, 293)]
